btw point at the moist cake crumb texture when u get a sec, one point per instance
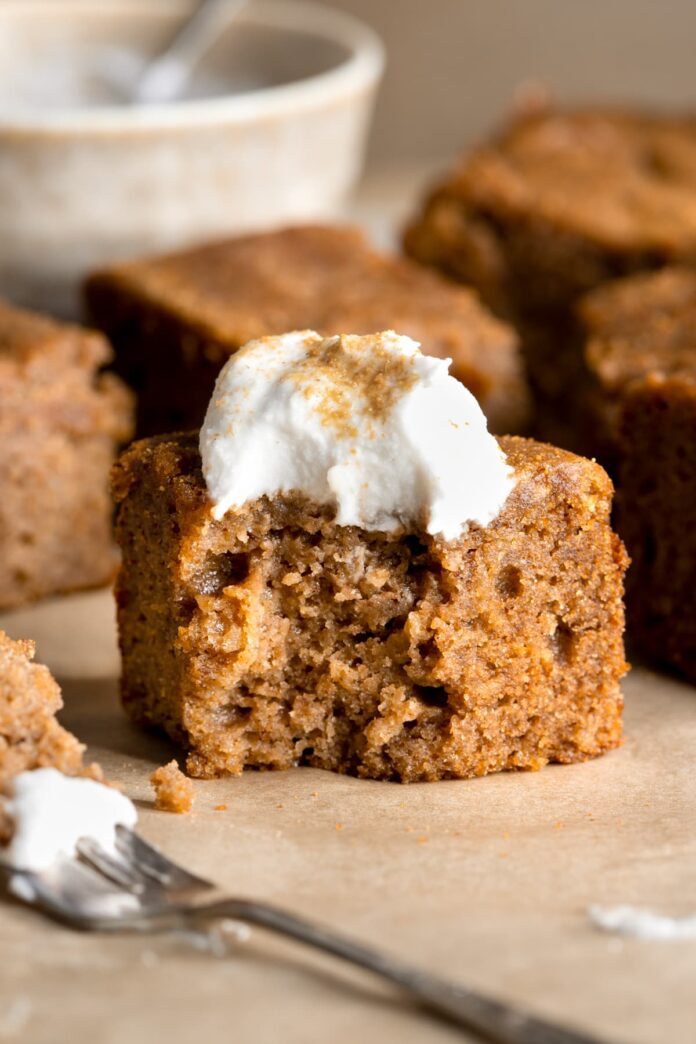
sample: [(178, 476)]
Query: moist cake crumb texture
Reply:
[(173, 791), (30, 735), (274, 637)]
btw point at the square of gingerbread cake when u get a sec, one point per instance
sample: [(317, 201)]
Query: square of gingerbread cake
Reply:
[(656, 515), (61, 420), (174, 320), (633, 328), (348, 571), (556, 204)]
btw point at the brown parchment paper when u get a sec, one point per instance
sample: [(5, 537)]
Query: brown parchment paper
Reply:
[(485, 881)]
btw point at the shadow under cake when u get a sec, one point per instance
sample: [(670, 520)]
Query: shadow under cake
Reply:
[(274, 636), (175, 319)]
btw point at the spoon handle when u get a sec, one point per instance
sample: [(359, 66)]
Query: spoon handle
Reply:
[(166, 75)]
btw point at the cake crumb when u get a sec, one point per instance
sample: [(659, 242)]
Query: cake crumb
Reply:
[(220, 808), (173, 791)]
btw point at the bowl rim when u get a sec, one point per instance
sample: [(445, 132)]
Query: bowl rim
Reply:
[(361, 70)]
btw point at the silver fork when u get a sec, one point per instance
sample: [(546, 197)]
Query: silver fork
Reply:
[(139, 889)]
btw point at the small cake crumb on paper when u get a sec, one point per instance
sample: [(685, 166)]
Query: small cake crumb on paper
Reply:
[(173, 790)]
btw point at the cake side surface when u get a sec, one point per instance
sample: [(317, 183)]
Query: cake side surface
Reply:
[(274, 636), (656, 515), (175, 319)]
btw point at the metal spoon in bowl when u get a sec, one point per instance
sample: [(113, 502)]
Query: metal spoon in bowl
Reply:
[(165, 77)]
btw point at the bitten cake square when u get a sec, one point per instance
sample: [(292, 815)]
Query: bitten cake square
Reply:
[(61, 420), (174, 320), (273, 636)]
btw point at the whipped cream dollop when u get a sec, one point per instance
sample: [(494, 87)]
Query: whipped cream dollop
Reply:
[(368, 425), (51, 812), (640, 923)]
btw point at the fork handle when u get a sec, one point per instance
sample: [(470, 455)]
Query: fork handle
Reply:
[(495, 1021)]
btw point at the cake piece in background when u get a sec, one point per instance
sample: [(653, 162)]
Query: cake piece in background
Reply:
[(656, 515), (350, 572), (552, 207), (174, 320), (640, 406), (61, 420), (30, 735), (632, 328)]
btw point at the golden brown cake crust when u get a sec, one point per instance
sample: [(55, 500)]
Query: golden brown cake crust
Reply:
[(61, 420), (609, 184), (634, 328), (201, 305), (640, 325), (274, 637), (557, 204), (30, 736)]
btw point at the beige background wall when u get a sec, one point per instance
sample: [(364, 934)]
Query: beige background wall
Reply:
[(454, 64)]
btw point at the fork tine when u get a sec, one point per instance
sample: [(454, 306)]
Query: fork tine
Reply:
[(74, 893), (124, 874), (149, 861)]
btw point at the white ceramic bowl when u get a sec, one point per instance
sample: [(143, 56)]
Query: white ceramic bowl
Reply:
[(84, 185)]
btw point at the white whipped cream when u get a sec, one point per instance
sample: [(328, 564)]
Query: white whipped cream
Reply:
[(51, 812), (640, 923), (368, 425)]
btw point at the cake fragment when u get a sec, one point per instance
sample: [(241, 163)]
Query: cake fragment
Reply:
[(173, 791), (30, 735)]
